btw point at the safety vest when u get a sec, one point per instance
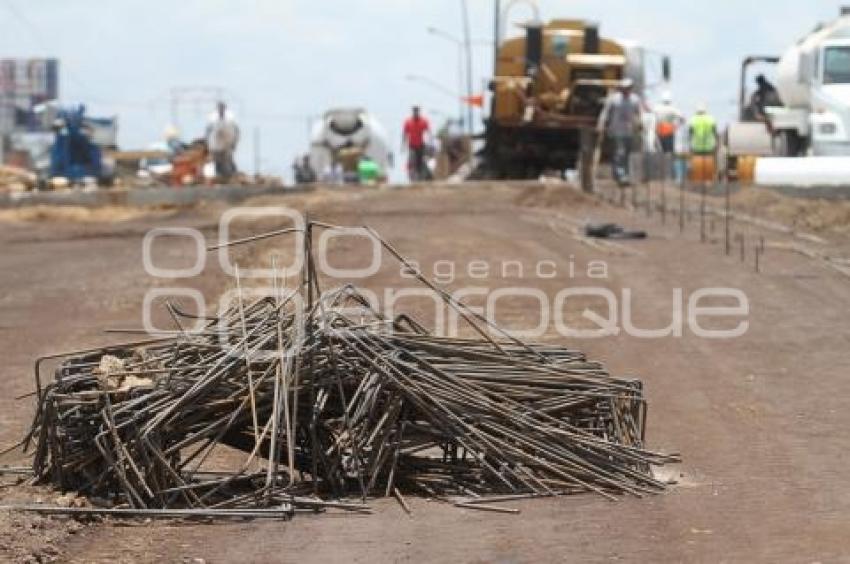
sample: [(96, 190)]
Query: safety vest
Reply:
[(703, 139)]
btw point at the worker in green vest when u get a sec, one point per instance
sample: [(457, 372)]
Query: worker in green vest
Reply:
[(703, 133), (704, 143)]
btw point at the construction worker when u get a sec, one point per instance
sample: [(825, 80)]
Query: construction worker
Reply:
[(681, 152), (415, 134), (349, 158), (765, 96), (704, 140), (621, 120), (669, 121), (172, 140), (303, 169), (453, 148), (222, 138)]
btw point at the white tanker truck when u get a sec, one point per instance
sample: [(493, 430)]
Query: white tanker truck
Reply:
[(813, 85), (813, 80), (808, 115), (341, 138)]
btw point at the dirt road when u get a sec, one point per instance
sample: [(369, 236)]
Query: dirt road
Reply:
[(760, 420)]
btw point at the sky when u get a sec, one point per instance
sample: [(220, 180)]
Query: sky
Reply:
[(281, 63)]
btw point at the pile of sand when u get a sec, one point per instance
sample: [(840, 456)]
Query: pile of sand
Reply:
[(107, 214), (819, 216), (15, 179)]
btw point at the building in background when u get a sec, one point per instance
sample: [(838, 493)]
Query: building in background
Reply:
[(25, 86)]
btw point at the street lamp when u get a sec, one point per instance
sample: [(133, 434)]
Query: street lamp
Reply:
[(433, 84), (449, 37), (497, 12), (462, 49), (467, 39)]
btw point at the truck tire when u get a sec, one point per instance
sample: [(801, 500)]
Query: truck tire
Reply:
[(787, 143)]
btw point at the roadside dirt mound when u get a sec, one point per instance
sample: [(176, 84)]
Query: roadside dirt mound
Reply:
[(553, 196), (318, 197), (820, 216), (108, 214)]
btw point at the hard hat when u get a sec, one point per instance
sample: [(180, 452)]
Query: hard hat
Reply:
[(667, 97), (627, 83), (702, 108), (171, 132)]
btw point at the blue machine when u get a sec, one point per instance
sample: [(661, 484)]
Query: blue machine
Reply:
[(74, 155)]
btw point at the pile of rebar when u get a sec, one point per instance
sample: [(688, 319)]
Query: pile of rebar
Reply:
[(285, 402)]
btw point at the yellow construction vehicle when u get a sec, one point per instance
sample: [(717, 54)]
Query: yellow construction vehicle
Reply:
[(549, 90)]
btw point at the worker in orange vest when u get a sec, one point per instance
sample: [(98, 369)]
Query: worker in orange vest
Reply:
[(669, 121)]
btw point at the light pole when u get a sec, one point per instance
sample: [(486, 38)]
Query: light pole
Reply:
[(433, 84), (497, 12), (461, 49), (467, 38), (459, 44)]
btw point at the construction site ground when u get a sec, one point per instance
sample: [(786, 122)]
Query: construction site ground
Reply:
[(760, 421)]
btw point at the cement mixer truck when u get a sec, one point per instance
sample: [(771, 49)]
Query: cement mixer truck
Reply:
[(341, 139), (812, 116)]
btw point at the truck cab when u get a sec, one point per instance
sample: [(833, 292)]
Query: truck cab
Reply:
[(830, 116), (814, 84)]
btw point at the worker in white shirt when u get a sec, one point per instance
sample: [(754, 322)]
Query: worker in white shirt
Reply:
[(222, 139), (669, 126), (622, 121), (668, 121)]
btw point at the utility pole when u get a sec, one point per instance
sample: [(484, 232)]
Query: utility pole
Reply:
[(497, 14), (460, 68), (206, 96), (460, 81), (257, 157), (467, 38)]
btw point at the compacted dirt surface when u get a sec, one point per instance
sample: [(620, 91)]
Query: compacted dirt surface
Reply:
[(760, 420)]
